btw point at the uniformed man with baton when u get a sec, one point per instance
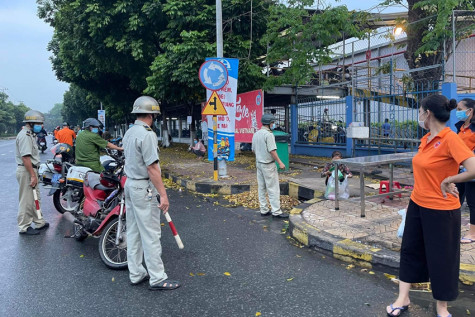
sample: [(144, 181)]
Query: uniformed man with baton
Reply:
[(28, 160), (144, 180)]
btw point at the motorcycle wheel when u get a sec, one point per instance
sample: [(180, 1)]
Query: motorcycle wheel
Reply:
[(63, 202), (114, 256)]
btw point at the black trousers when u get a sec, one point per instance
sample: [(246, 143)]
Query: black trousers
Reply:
[(430, 250), (198, 153), (467, 190)]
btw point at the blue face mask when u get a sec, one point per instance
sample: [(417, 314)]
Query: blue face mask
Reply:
[(95, 130), (37, 128), (130, 125), (195, 141), (272, 126), (461, 115)]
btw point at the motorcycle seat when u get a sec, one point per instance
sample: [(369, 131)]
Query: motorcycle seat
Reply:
[(94, 182)]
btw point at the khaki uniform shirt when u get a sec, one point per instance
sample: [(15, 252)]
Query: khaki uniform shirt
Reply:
[(263, 142), (140, 150), (26, 146)]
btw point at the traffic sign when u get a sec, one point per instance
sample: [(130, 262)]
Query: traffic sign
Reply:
[(214, 106), (213, 75)]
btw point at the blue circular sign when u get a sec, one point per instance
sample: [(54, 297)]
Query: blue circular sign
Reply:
[(213, 75)]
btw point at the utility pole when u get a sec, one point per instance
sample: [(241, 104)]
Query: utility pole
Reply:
[(219, 28)]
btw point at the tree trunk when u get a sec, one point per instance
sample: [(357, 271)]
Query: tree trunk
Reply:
[(165, 135), (425, 79)]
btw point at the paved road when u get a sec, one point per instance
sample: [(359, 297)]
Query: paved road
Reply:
[(50, 275)]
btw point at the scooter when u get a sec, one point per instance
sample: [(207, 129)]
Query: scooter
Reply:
[(41, 141)]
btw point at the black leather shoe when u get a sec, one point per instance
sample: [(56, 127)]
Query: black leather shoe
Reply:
[(266, 214), (45, 226), (30, 231), (145, 278), (281, 216)]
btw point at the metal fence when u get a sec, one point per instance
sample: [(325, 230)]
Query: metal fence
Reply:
[(321, 121)]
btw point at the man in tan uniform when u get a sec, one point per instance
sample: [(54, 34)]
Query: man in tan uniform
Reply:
[(144, 180), (28, 160), (263, 145)]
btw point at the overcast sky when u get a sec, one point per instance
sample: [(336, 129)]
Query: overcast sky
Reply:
[(25, 69)]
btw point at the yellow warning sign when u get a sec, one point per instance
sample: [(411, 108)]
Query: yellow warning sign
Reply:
[(214, 106)]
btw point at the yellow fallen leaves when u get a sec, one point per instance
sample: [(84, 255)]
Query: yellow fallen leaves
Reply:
[(227, 273), (81, 256), (251, 200), (113, 279), (199, 274), (389, 276), (290, 279), (258, 313)]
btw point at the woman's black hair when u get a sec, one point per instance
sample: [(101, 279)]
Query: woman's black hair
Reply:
[(337, 153), (470, 104), (440, 106)]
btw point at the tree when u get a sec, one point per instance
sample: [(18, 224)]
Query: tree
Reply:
[(298, 38), (54, 118), (104, 47), (428, 28), (11, 115)]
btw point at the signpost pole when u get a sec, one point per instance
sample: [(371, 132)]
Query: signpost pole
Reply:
[(215, 146)]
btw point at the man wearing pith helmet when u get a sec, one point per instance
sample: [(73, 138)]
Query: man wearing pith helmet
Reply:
[(144, 180), (263, 145), (28, 160)]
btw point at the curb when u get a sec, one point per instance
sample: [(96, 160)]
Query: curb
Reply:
[(286, 188), (351, 251)]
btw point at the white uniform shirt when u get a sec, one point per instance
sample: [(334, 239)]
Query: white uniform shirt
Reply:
[(140, 150), (263, 142)]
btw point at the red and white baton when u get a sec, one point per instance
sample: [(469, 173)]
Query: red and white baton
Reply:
[(172, 227), (37, 204)]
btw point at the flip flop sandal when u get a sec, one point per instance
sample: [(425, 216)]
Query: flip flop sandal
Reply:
[(449, 315), (164, 285), (401, 310), (466, 239)]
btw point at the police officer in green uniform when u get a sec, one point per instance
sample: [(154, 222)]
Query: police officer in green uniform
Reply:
[(143, 181), (89, 145), (28, 160)]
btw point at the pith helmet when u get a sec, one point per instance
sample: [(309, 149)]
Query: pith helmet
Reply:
[(146, 104), (267, 118), (34, 116)]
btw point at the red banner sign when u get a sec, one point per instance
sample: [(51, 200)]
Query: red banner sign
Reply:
[(249, 109)]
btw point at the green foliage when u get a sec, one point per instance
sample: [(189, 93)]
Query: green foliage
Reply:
[(190, 37), (300, 38), (11, 115), (54, 118)]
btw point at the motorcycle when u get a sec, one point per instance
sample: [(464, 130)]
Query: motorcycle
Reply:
[(96, 201), (102, 213), (41, 141)]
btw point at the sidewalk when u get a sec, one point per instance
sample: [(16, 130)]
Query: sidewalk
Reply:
[(370, 241)]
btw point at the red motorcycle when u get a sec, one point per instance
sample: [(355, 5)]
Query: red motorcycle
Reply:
[(102, 213)]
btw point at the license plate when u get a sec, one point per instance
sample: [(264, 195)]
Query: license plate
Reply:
[(55, 179)]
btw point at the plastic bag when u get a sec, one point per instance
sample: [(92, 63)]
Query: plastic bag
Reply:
[(343, 189), (400, 230)]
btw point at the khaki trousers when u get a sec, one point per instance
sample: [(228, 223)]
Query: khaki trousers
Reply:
[(143, 232), (26, 207), (268, 180)]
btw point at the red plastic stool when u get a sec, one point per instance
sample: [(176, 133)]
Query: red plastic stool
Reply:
[(384, 187)]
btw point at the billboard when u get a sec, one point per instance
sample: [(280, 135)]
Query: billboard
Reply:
[(249, 110)]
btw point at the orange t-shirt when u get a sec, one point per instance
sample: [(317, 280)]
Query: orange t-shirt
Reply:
[(435, 161), (66, 135), (467, 135)]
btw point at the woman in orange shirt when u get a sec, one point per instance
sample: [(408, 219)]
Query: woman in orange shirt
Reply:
[(466, 130), (430, 249)]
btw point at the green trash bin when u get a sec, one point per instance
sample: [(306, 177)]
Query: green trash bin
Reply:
[(282, 143)]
